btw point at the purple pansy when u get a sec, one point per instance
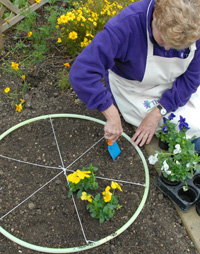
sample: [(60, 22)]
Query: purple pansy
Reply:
[(171, 116), (165, 129), (183, 126), (164, 120)]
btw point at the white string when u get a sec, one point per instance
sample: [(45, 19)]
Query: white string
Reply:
[(109, 179), (56, 142), (30, 195), (82, 155), (29, 163), (34, 164), (82, 229), (116, 180), (51, 167)]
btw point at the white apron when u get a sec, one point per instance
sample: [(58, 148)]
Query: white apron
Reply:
[(135, 99)]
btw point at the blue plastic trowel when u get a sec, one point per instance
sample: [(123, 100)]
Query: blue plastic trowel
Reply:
[(113, 149)]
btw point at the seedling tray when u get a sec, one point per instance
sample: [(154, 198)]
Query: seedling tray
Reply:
[(183, 199)]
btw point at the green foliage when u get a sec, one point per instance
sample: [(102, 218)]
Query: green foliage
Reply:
[(102, 210), (78, 182), (15, 96), (63, 80)]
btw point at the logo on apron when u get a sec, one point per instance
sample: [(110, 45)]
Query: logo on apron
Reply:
[(149, 105)]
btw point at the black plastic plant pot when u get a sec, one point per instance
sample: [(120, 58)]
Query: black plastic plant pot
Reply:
[(163, 145), (196, 181), (189, 196), (183, 199), (168, 182)]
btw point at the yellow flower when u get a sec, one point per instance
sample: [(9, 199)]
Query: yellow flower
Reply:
[(59, 40), (18, 107), (84, 196), (73, 178), (115, 185), (15, 66), (7, 90), (22, 101), (30, 34), (59, 21), (7, 20), (107, 194), (83, 174), (37, 1), (24, 77), (80, 12), (119, 7), (83, 19), (63, 19), (87, 197), (89, 34), (67, 65), (108, 12), (70, 16), (73, 35), (85, 42)]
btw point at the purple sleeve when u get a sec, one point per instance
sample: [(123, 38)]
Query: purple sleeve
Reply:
[(90, 67), (184, 86)]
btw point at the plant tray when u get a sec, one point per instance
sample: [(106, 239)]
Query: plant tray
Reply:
[(183, 199)]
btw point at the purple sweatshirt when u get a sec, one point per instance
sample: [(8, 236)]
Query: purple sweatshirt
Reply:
[(122, 47)]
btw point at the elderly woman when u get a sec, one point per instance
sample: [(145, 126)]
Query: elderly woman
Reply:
[(149, 57)]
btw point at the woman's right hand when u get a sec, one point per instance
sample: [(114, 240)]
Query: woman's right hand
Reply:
[(113, 127)]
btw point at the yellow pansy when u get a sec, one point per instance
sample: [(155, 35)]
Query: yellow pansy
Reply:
[(73, 178), (30, 34), (83, 174), (87, 197), (115, 185), (107, 194)]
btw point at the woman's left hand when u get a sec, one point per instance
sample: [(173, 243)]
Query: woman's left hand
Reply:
[(147, 128)]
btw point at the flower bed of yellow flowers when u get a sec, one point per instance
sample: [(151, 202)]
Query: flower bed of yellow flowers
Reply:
[(79, 26), (100, 208)]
